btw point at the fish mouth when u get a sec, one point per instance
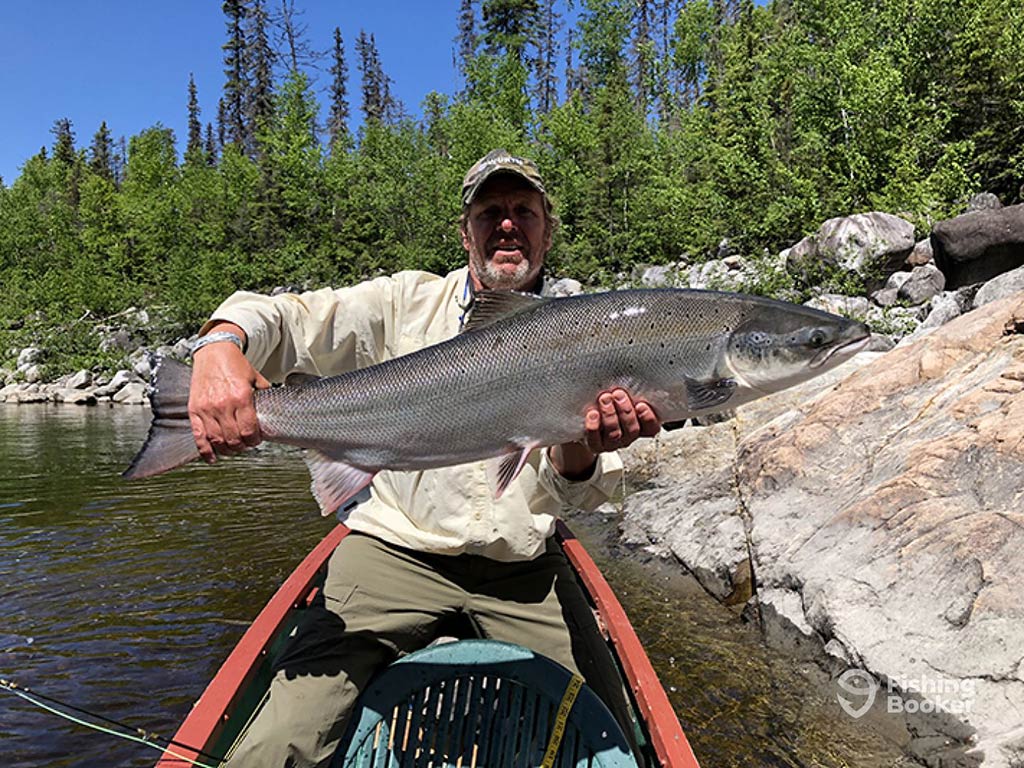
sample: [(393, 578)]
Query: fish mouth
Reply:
[(849, 349)]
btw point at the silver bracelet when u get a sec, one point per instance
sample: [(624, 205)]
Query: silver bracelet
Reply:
[(213, 338)]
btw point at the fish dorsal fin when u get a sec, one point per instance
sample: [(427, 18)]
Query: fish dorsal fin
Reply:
[(297, 379), (491, 306)]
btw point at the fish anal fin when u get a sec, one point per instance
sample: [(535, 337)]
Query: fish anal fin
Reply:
[(491, 306), (334, 482), (506, 468), (708, 395)]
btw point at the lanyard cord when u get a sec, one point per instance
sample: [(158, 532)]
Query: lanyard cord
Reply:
[(466, 305)]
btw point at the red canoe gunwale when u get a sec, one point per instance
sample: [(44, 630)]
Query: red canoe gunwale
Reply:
[(670, 743), (204, 722)]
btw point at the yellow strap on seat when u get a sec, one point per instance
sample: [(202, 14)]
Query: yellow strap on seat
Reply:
[(571, 692)]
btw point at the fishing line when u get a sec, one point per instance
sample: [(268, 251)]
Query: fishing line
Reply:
[(148, 739)]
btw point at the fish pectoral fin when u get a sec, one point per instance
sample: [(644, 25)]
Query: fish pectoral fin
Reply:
[(705, 395), (334, 482), (506, 468)]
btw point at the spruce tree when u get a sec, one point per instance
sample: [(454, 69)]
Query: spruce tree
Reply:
[(260, 57), (235, 70), (194, 148), (467, 35), (64, 142), (337, 123), (508, 25), (544, 65), (373, 84), (210, 146), (101, 153)]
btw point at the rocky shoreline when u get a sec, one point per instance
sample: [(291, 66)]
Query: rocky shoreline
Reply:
[(871, 520)]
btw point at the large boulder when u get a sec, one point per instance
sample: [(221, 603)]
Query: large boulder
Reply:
[(872, 245), (1000, 287), (977, 246), (883, 519)]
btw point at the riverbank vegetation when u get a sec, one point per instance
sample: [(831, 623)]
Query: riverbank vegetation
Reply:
[(662, 127)]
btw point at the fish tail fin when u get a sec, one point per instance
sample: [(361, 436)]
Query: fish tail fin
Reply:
[(170, 442)]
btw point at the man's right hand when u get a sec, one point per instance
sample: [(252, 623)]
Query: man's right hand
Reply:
[(220, 404)]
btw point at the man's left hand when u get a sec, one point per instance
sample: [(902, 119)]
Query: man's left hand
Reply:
[(615, 421)]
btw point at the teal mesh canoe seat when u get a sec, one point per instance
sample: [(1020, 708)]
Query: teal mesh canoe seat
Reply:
[(481, 703)]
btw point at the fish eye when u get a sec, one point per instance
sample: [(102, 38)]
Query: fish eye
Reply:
[(760, 339), (818, 338)]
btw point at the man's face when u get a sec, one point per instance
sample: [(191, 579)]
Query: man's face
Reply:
[(506, 235)]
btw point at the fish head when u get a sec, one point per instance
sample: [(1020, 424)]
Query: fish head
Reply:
[(777, 344)]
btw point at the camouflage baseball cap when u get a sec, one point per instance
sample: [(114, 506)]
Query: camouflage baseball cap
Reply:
[(500, 161)]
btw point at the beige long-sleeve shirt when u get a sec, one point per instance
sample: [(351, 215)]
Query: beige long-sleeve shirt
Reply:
[(451, 510)]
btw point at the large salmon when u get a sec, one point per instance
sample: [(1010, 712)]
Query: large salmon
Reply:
[(519, 377)]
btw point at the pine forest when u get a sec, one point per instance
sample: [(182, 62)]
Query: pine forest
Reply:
[(661, 126)]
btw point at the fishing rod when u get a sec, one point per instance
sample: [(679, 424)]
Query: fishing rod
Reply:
[(138, 735)]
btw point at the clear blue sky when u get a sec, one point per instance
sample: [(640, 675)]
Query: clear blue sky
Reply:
[(128, 61)]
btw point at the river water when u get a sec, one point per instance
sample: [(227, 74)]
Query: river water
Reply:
[(123, 599)]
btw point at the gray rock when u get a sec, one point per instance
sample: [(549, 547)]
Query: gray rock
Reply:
[(848, 306), (116, 340), (182, 348), (565, 286), (880, 342), (885, 297), (32, 373), (658, 276), (121, 378), (74, 397), (28, 356), (977, 246), (944, 307), (923, 283), (8, 391), (31, 394), (984, 201), (143, 367), (1000, 287), (897, 279), (872, 245), (132, 393), (922, 254), (79, 380), (714, 275)]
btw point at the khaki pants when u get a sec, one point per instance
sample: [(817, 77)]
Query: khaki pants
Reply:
[(381, 602)]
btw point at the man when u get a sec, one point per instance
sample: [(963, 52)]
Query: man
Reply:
[(427, 545)]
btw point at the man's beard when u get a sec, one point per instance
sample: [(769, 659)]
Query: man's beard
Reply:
[(495, 279), (499, 280)]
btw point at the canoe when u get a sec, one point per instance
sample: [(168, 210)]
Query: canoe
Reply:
[(235, 691)]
